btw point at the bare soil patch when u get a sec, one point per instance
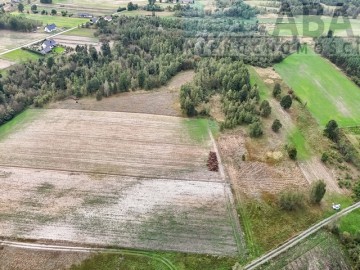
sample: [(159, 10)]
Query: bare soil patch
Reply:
[(108, 178), (73, 41), (5, 63), (162, 101), (253, 177)]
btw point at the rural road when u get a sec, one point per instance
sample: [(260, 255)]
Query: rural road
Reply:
[(39, 40), (292, 242), (34, 246)]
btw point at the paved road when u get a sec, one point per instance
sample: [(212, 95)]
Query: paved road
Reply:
[(34, 246), (294, 241), (37, 41)]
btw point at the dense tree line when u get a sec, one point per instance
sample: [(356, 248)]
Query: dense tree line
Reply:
[(300, 7), (343, 53), (17, 23)]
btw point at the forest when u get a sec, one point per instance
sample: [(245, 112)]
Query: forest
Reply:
[(231, 79), (17, 23), (146, 53)]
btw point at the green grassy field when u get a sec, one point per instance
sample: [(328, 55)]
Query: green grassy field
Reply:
[(18, 122), (327, 92), (61, 22), (351, 222), (20, 55), (311, 26)]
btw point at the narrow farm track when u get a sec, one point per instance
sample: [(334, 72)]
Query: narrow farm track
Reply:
[(33, 246), (294, 241), (238, 233)]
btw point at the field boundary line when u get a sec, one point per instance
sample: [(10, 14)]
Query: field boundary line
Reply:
[(162, 178), (25, 245), (294, 241), (235, 223), (37, 41)]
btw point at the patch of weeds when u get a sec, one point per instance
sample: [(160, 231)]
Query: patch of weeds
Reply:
[(97, 200), (45, 187), (345, 183)]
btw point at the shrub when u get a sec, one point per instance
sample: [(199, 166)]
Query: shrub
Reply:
[(276, 125), (255, 130), (332, 131), (356, 190), (324, 157), (265, 108), (121, 9), (286, 102), (292, 152), (291, 200), (318, 190), (277, 90)]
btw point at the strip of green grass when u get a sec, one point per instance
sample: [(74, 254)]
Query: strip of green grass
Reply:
[(181, 261), (17, 122), (198, 129), (81, 32), (297, 139), (20, 55), (60, 21), (264, 90), (328, 93)]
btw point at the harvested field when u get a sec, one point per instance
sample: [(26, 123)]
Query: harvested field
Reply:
[(162, 101), (131, 180), (12, 39)]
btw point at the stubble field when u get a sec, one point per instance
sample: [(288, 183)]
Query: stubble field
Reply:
[(125, 179)]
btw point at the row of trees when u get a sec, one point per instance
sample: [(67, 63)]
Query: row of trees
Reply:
[(17, 23)]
